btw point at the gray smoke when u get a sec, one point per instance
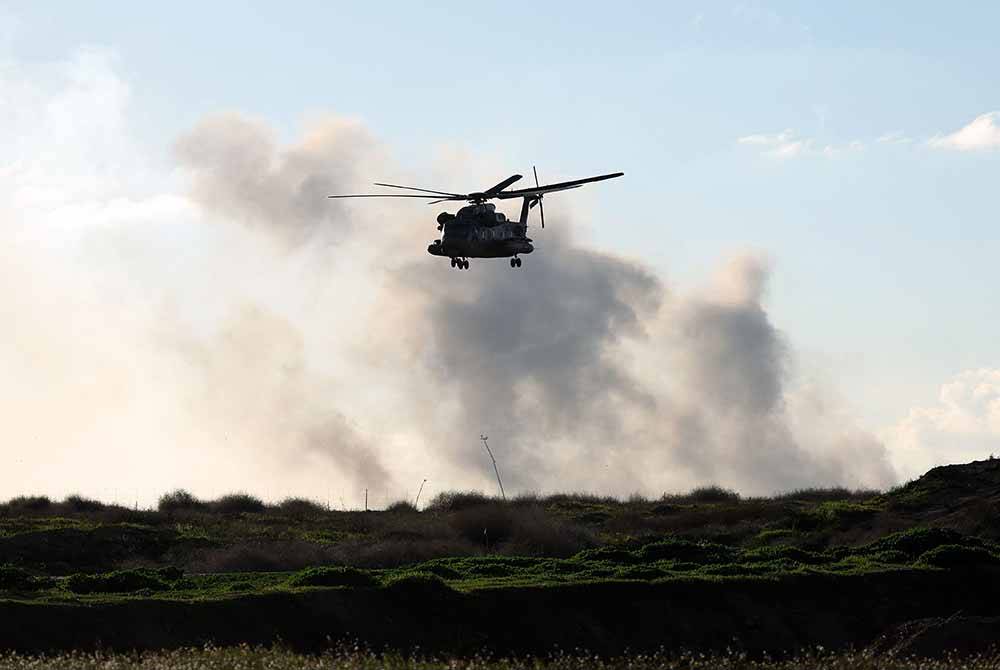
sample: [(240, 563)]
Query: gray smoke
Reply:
[(250, 333), (583, 368), (239, 172)]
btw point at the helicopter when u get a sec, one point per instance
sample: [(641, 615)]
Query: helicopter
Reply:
[(478, 230)]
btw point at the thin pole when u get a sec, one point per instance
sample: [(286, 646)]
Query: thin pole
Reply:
[(495, 468), (417, 501)]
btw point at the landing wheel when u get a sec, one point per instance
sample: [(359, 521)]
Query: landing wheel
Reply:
[(454, 262), (513, 262), (518, 262), (465, 264)]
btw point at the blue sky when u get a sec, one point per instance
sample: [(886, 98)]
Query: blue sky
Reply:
[(799, 130)]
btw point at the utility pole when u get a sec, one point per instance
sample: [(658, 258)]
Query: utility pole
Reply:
[(495, 468)]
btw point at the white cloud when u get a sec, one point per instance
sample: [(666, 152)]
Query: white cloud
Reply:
[(981, 134), (963, 425), (894, 137), (788, 144)]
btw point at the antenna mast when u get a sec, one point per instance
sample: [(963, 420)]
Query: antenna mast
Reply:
[(495, 468)]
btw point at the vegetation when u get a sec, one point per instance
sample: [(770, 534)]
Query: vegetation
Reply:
[(928, 548), (211, 658)]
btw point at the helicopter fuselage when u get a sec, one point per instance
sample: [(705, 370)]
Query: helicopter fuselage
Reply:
[(478, 231)]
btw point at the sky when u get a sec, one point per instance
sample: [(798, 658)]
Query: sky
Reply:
[(807, 190)]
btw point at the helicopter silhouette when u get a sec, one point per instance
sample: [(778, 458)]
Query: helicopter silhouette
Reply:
[(478, 230)]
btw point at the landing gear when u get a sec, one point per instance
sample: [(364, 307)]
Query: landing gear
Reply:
[(515, 262), (460, 263)]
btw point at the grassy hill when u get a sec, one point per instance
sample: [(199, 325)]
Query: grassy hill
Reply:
[(705, 570)]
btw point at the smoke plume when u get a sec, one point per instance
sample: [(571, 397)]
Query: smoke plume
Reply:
[(247, 332)]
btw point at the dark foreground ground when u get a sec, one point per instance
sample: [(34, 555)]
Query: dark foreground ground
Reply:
[(912, 571), (247, 658)]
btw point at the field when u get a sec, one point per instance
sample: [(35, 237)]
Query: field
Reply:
[(912, 570)]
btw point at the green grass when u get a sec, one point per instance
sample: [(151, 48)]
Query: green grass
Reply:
[(672, 559)]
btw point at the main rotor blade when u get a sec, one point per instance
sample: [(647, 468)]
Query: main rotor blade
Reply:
[(561, 186), (414, 188), (502, 185), (388, 195)]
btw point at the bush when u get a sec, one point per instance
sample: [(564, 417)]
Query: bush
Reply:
[(918, 541), (238, 503), (704, 495), (29, 503), (401, 507), (179, 500), (17, 579), (417, 586), (300, 508), (332, 576), (453, 501), (484, 524), (77, 503), (957, 556), (683, 550), (261, 557), (120, 581)]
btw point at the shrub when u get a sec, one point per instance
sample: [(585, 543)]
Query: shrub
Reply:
[(401, 507), (120, 581), (534, 533), (332, 576), (18, 579), (683, 550), (704, 495), (238, 503), (453, 501), (417, 586), (795, 554), (484, 524), (957, 556), (261, 557), (917, 541), (179, 500), (826, 494), (300, 508), (77, 503), (29, 503)]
